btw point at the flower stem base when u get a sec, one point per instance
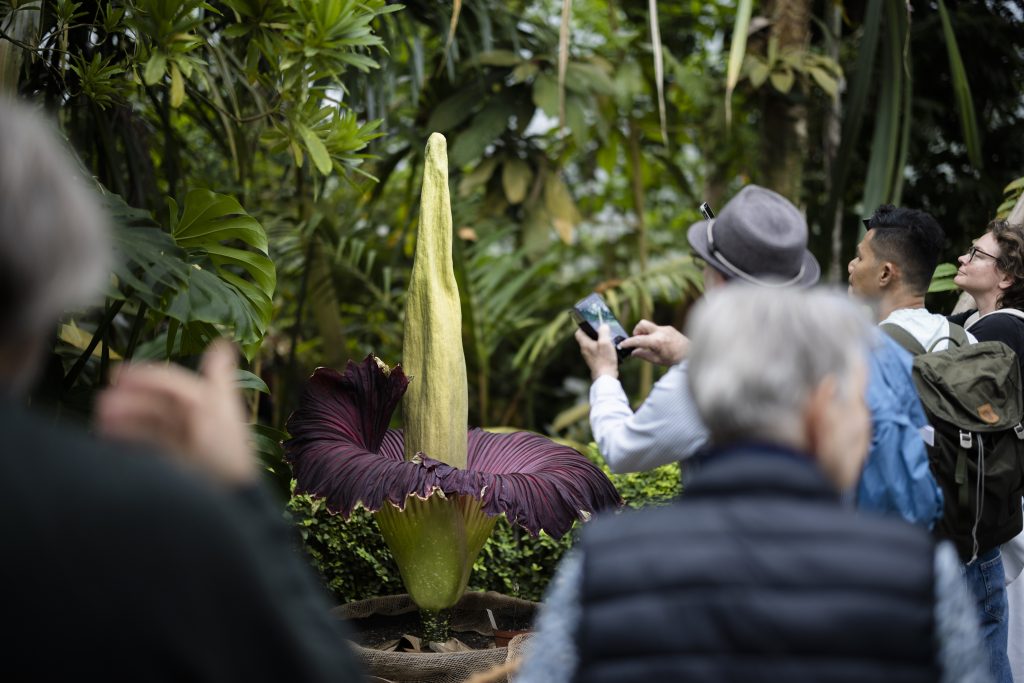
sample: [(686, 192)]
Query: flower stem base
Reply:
[(436, 625)]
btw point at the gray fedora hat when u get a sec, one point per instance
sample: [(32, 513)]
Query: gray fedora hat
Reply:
[(759, 237)]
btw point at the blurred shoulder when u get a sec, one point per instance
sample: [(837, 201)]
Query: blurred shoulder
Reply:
[(69, 477)]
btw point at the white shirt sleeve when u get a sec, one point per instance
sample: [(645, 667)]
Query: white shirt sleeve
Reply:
[(665, 429)]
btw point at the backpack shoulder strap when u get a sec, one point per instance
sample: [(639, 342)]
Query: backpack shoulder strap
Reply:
[(958, 335), (971, 319), (904, 338)]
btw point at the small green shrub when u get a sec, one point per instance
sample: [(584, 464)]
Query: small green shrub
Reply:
[(355, 563), (659, 486), (514, 563), (350, 555)]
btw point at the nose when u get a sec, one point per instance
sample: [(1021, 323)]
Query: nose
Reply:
[(963, 260), (849, 267)]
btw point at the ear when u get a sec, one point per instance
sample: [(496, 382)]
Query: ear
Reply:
[(1005, 281), (816, 422), (887, 274), (712, 278)]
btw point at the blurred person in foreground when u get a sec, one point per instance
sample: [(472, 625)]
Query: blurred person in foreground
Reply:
[(759, 238), (759, 573), (120, 564)]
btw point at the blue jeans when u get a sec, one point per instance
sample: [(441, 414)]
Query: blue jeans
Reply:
[(987, 582)]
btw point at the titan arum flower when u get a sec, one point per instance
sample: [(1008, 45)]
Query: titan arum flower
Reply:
[(436, 489)]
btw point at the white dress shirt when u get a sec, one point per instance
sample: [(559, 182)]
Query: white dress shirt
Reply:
[(665, 429)]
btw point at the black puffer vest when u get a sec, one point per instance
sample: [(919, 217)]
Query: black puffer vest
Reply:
[(757, 574)]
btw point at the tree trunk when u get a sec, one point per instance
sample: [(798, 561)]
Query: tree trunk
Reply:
[(831, 134), (784, 132)]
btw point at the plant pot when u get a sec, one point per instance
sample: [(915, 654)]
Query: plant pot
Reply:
[(436, 667), (503, 638)]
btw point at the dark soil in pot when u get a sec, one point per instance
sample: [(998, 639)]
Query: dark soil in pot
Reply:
[(383, 629), (386, 619)]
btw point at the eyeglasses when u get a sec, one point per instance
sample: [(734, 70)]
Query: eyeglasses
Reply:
[(973, 251)]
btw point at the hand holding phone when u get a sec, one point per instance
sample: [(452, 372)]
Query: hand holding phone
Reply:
[(591, 312)]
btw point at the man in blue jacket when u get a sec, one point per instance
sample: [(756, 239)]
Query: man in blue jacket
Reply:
[(896, 478)]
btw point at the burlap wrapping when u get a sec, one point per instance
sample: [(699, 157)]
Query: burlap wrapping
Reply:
[(450, 667)]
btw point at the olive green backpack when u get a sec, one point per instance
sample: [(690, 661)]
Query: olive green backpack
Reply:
[(971, 394)]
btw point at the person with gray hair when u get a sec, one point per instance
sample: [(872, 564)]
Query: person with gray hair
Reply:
[(54, 243), (121, 565), (760, 573), (754, 372)]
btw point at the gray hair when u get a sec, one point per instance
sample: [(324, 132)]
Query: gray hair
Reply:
[(758, 354), (55, 247)]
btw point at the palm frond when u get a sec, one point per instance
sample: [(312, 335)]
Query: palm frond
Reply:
[(670, 281)]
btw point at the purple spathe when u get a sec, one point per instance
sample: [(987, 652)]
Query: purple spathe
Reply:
[(343, 451)]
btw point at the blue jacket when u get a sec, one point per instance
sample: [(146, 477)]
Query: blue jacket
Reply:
[(896, 479)]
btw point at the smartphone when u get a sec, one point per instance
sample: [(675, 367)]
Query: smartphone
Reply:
[(591, 312), (705, 210)]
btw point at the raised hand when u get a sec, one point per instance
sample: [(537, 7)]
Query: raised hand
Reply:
[(197, 417), (599, 354), (658, 344)]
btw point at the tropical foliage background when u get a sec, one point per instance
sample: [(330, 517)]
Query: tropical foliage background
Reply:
[(261, 160)]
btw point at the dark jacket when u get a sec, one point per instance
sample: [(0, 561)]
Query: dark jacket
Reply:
[(1003, 327), (757, 574), (119, 566)]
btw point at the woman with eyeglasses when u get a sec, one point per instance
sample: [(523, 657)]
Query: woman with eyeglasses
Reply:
[(992, 271)]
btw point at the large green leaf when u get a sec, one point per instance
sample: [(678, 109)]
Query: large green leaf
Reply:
[(470, 144), (545, 94), (942, 279), (516, 178), (151, 267), (885, 143), (659, 67), (862, 81), (1012, 208), (737, 49), (451, 112), (316, 148), (209, 225), (962, 89), (585, 78), (148, 265)]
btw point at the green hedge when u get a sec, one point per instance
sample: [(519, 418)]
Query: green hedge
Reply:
[(356, 563)]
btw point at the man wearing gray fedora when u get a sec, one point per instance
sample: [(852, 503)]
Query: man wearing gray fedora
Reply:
[(760, 238)]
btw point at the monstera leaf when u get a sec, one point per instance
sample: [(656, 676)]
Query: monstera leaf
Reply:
[(219, 236), (212, 271)]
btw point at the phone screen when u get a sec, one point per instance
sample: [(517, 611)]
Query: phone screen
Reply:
[(591, 312)]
